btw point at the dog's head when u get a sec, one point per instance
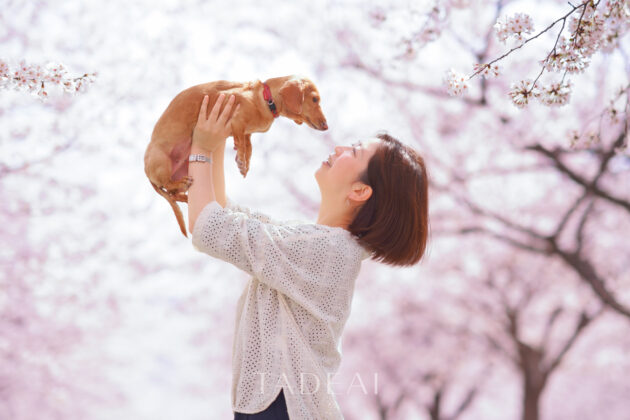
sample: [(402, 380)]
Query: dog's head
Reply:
[(302, 102)]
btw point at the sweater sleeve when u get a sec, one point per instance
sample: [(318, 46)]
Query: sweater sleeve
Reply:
[(302, 262), (250, 213)]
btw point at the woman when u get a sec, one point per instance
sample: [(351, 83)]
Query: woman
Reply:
[(290, 317)]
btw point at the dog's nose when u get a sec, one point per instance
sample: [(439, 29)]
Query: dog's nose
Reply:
[(323, 125)]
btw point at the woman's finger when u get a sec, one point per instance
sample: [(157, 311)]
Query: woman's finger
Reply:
[(203, 110), (216, 108), (228, 124), (226, 110)]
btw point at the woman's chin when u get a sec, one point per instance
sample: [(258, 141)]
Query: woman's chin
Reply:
[(321, 170), (318, 174)]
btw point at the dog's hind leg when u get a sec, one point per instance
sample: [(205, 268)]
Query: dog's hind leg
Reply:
[(158, 168)]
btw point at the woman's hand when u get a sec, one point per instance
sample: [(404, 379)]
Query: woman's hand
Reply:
[(211, 132)]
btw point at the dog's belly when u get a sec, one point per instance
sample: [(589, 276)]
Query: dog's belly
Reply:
[(179, 158), (260, 128)]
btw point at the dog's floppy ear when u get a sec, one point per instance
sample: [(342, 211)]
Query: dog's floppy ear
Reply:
[(292, 93)]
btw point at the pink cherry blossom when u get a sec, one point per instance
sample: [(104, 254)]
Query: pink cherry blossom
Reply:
[(486, 69), (514, 27), (36, 79), (556, 94), (522, 91), (456, 83)]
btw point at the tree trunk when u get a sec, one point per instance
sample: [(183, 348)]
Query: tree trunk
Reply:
[(530, 402), (434, 409)]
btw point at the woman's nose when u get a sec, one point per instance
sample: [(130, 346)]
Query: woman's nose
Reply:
[(339, 149)]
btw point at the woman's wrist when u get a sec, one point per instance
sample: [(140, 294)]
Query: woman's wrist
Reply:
[(195, 148)]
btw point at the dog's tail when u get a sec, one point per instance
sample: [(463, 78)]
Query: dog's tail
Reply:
[(178, 212)]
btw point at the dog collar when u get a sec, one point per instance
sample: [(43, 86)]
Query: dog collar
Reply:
[(267, 96)]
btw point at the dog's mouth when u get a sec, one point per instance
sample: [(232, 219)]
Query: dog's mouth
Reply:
[(310, 123)]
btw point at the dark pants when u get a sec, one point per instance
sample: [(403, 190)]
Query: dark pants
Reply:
[(276, 411)]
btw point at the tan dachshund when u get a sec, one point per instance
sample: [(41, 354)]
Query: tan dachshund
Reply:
[(166, 157)]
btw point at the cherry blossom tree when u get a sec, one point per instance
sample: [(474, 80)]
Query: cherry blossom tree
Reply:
[(569, 175), (507, 306), (608, 138), (525, 285), (412, 379)]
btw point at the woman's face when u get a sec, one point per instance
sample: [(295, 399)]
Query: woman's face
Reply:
[(337, 175)]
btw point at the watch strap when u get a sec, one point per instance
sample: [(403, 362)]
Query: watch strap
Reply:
[(199, 158)]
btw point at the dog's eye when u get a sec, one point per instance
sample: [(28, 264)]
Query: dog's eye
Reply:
[(315, 99)]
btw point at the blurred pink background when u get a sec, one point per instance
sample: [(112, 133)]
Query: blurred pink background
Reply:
[(520, 310)]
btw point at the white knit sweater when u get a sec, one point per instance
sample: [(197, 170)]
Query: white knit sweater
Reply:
[(290, 317)]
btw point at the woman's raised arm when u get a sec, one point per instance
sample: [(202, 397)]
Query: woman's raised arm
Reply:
[(209, 135), (218, 176)]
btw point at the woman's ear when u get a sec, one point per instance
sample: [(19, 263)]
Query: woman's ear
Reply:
[(360, 192), (292, 93)]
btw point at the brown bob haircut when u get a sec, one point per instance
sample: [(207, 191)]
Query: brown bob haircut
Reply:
[(393, 223)]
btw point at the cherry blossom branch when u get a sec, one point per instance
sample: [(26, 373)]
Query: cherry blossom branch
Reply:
[(589, 185), (427, 32), (585, 140), (624, 144), (569, 213), (517, 27), (580, 228), (544, 342), (553, 50), (35, 78), (557, 93), (571, 258), (583, 322), (563, 19), (591, 31)]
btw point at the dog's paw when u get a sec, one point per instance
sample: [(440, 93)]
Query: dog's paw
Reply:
[(180, 186), (242, 166)]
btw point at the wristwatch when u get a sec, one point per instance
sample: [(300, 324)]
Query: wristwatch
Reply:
[(199, 158)]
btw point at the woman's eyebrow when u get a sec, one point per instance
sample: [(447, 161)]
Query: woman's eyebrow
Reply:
[(360, 144)]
